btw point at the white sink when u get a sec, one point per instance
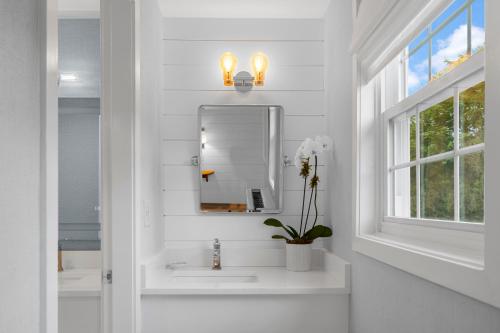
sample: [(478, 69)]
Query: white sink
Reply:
[(69, 279), (79, 279), (214, 277)]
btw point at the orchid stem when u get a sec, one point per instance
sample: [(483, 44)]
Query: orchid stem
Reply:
[(303, 203), (315, 191), (313, 187)]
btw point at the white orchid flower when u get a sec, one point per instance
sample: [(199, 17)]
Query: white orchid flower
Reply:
[(305, 148), (309, 148), (298, 162), (325, 142)]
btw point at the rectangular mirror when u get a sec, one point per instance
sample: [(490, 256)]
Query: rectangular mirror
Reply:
[(241, 158)]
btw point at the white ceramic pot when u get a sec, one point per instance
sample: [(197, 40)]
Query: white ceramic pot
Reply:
[(298, 257)]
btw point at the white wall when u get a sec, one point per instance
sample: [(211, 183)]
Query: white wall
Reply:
[(148, 131), (384, 299), (191, 77), (20, 166)]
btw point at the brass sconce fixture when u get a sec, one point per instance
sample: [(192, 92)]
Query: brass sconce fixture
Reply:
[(244, 81), (259, 66), (228, 63)]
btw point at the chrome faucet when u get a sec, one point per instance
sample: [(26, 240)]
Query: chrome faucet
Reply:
[(216, 255)]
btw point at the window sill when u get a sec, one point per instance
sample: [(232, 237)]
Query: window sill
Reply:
[(460, 268), (466, 257), (460, 246)]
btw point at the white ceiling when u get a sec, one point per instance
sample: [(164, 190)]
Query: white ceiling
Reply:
[(244, 8), (220, 8)]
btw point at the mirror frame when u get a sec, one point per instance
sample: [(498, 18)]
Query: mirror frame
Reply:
[(282, 160)]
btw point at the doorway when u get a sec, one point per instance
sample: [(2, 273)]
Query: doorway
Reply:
[(79, 164), (115, 105)]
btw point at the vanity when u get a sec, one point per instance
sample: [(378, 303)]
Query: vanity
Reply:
[(198, 299), (80, 300), (239, 176)]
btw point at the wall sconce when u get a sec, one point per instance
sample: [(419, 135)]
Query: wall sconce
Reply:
[(228, 63), (259, 66), (244, 81)]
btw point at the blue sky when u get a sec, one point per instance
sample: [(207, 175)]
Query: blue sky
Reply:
[(447, 44)]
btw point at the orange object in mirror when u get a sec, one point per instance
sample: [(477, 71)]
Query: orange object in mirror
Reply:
[(206, 173)]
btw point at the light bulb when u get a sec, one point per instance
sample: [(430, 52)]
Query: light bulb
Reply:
[(228, 63), (260, 62)]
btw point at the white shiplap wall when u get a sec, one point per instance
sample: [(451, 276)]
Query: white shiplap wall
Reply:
[(191, 77)]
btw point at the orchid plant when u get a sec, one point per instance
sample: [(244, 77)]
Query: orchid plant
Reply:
[(306, 160)]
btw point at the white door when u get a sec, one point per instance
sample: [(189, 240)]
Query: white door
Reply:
[(119, 88)]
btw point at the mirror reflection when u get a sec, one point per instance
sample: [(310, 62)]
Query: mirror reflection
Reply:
[(241, 169)]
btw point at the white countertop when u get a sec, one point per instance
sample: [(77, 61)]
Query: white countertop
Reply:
[(265, 280), (79, 283)]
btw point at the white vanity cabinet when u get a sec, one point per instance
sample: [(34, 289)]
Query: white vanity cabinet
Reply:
[(247, 299)]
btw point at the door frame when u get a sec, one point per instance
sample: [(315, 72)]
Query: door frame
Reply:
[(121, 298), (48, 27)]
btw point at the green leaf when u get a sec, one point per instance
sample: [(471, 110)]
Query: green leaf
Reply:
[(273, 223), (317, 232), (294, 232), (277, 224), (279, 237)]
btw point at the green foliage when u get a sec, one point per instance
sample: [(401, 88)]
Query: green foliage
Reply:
[(436, 179), (295, 232), (277, 224), (472, 188), (317, 232), (436, 129), (304, 235), (310, 235), (279, 237)]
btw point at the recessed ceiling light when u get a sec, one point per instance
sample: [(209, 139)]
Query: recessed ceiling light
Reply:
[(68, 77)]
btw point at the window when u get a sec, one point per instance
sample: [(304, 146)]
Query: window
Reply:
[(426, 161), (449, 40), (436, 167)]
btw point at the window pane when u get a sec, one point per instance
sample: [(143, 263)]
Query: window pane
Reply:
[(413, 138), (436, 129), (436, 191), (472, 115), (449, 46), (472, 188), (418, 69), (447, 13), (404, 192), (477, 30), (417, 40)]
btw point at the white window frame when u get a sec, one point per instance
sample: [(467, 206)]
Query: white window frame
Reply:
[(461, 257), (463, 77)]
